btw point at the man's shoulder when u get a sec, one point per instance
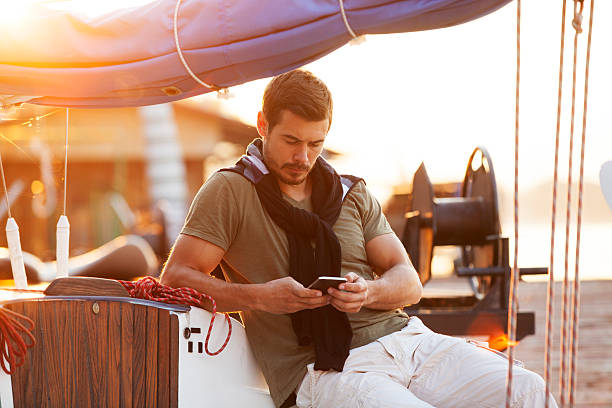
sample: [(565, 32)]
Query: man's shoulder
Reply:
[(231, 177), (227, 179), (224, 185)]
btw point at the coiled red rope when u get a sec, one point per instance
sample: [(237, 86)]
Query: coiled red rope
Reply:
[(14, 338), (150, 289)]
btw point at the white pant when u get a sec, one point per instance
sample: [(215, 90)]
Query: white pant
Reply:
[(416, 367)]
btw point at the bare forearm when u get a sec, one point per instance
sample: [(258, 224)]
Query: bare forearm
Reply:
[(229, 297), (396, 288), (192, 259), (278, 296)]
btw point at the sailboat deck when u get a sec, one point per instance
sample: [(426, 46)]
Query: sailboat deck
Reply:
[(594, 388)]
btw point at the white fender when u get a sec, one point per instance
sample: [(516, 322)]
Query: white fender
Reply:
[(6, 390), (605, 181), (229, 379)]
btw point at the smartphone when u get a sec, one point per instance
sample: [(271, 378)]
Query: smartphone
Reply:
[(324, 282)]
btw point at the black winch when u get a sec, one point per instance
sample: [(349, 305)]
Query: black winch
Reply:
[(470, 220)]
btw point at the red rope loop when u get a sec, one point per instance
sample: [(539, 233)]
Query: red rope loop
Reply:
[(150, 289), (14, 338)]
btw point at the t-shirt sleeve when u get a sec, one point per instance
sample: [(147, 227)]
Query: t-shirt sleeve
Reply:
[(214, 215), (373, 220)]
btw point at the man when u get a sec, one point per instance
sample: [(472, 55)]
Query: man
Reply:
[(282, 217)]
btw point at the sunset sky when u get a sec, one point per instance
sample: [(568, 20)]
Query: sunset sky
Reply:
[(435, 95)]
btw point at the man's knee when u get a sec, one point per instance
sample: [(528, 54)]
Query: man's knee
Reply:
[(529, 390)]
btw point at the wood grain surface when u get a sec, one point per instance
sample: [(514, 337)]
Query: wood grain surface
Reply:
[(594, 374), (85, 286), (98, 354), (594, 358)]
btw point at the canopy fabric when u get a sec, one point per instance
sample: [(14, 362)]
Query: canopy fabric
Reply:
[(129, 57)]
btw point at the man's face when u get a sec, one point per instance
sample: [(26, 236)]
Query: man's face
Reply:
[(293, 145)]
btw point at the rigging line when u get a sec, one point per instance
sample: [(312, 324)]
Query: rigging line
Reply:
[(576, 292), (27, 122), (346, 23), (8, 204), (15, 145), (550, 288), (66, 163), (180, 53), (514, 272), (566, 287)]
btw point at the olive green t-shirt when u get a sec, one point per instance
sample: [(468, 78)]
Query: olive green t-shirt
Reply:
[(227, 212)]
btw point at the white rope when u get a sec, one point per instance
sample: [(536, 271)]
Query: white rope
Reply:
[(62, 232), (222, 92), (356, 38), (66, 164)]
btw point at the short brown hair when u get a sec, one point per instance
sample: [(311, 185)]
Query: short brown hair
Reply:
[(300, 92)]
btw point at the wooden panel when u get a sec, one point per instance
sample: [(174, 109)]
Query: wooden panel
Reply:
[(138, 362), (127, 344), (32, 396), (114, 354), (174, 356), (125, 355), (70, 358), (151, 357), (54, 389), (83, 366), (594, 367), (99, 340), (163, 359), (85, 286)]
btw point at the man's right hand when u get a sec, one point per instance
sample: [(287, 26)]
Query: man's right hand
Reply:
[(286, 295), (192, 259)]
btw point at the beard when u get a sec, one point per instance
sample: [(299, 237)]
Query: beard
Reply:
[(283, 172), (287, 179)]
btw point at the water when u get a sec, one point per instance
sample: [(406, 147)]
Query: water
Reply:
[(534, 251), (595, 250)]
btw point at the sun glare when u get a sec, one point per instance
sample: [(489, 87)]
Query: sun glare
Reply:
[(15, 11), (93, 8), (37, 187)]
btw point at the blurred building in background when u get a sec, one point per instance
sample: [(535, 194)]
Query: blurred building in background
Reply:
[(130, 170)]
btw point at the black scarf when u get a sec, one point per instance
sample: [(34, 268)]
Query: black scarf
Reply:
[(326, 326)]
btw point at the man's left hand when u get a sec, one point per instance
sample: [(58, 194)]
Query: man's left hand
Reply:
[(352, 295)]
